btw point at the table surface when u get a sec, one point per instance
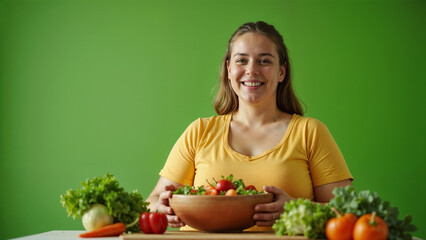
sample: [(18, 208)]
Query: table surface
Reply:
[(168, 235), (67, 235), (73, 235), (193, 235)]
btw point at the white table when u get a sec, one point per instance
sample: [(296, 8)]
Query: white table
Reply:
[(73, 235), (59, 235)]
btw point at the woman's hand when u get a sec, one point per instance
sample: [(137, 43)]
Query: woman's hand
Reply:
[(266, 214), (164, 207), (159, 200)]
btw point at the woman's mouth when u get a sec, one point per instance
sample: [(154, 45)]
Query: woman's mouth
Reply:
[(252, 84)]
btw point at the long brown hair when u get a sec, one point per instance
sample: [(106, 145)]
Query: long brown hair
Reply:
[(226, 101)]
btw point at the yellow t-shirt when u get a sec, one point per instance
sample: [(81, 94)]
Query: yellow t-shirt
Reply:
[(306, 157)]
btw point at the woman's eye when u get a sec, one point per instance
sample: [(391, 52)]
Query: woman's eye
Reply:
[(240, 61), (264, 61)]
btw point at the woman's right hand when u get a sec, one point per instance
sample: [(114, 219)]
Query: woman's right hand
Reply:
[(159, 200), (164, 207)]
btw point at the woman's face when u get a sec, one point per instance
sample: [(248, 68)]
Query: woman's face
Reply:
[(254, 69)]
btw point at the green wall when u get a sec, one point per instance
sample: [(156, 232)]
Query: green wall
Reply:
[(89, 87)]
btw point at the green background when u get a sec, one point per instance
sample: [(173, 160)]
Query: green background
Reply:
[(89, 87)]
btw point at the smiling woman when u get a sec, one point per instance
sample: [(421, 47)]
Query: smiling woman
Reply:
[(259, 135), (226, 100), (89, 87), (255, 72)]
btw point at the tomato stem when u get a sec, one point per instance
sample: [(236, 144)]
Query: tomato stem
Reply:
[(373, 219), (213, 185), (338, 214)]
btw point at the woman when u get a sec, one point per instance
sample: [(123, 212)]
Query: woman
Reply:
[(259, 134)]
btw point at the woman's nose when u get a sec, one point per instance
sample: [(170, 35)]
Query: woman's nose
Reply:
[(251, 69)]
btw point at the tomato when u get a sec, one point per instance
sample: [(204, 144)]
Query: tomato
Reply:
[(231, 192), (250, 187), (211, 192), (209, 187), (153, 222), (224, 185), (340, 227), (370, 227)]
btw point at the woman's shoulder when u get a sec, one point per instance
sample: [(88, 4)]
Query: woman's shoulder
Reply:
[(203, 122), (307, 122)]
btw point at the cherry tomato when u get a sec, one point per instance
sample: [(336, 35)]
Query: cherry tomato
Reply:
[(340, 227), (250, 187), (231, 192), (224, 185), (370, 227), (211, 192), (153, 222), (207, 187)]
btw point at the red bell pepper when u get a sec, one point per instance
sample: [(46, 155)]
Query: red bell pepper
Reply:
[(153, 222)]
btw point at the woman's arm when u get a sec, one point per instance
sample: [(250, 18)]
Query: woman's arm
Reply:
[(159, 200), (324, 193)]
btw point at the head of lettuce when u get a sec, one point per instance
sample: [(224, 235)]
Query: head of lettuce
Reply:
[(101, 201)]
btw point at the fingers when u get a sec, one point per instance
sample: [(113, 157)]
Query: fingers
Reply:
[(163, 202), (269, 207), (267, 213), (274, 190), (165, 209), (266, 219), (171, 188), (266, 216), (164, 198), (163, 206), (174, 221)]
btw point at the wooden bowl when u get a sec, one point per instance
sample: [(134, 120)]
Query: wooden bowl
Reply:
[(217, 213)]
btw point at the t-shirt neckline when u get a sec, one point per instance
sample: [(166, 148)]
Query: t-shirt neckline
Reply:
[(251, 158)]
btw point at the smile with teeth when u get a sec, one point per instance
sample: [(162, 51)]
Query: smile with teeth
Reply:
[(252, 84)]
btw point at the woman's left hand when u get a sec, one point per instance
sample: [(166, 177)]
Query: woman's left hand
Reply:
[(266, 214)]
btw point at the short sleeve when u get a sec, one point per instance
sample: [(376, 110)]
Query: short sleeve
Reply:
[(326, 161), (180, 165)]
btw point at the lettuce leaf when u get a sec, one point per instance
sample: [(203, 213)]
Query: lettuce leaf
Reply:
[(123, 206), (303, 217)]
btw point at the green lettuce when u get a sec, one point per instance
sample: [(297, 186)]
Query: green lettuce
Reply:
[(346, 200), (190, 190), (301, 216), (123, 206)]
